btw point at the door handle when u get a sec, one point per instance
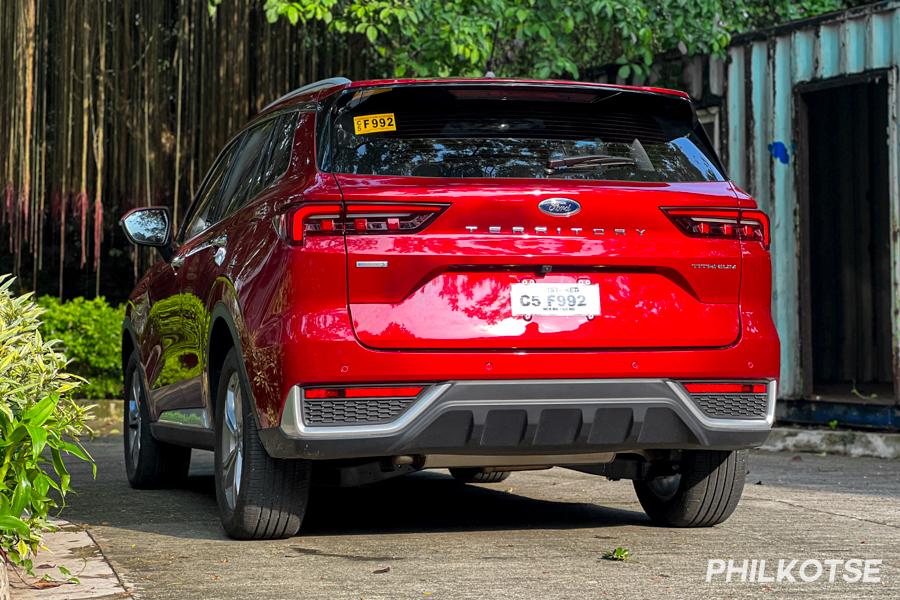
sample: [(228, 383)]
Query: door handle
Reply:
[(219, 256), (177, 262), (219, 244)]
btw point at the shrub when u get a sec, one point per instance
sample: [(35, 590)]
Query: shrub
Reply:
[(90, 332), (39, 422)]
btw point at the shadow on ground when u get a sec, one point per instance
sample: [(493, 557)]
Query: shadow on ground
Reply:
[(428, 501)]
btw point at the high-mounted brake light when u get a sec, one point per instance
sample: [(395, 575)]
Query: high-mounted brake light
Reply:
[(725, 388), (361, 219), (409, 391), (729, 223)]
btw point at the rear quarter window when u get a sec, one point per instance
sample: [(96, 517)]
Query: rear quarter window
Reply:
[(496, 132), (281, 146), (243, 178)]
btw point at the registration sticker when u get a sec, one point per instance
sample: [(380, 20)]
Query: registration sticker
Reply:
[(374, 123)]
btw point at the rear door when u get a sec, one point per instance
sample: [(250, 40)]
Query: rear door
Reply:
[(505, 219), (186, 313), (205, 253)]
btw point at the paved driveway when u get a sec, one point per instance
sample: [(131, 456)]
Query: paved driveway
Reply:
[(537, 535)]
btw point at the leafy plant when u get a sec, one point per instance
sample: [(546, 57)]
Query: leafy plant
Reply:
[(538, 38), (833, 424), (39, 422), (617, 553), (89, 332)]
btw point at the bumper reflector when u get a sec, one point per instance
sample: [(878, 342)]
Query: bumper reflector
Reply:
[(725, 388), (730, 400), (363, 392)]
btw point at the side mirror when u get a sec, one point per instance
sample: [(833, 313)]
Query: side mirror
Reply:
[(149, 226)]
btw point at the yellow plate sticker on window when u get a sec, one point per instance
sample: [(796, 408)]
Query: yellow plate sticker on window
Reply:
[(374, 123)]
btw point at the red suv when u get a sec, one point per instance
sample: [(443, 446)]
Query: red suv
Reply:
[(483, 275)]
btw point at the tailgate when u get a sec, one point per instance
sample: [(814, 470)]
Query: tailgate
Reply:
[(517, 217), (451, 285)]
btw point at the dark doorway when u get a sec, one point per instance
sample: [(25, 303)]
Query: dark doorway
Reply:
[(847, 230)]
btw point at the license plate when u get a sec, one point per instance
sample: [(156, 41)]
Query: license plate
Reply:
[(561, 299)]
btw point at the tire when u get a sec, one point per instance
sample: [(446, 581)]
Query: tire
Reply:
[(259, 497), (478, 476), (704, 493), (149, 463)]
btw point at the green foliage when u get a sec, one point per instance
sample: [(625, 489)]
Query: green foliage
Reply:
[(39, 422), (617, 553), (90, 333), (538, 38), (765, 13)]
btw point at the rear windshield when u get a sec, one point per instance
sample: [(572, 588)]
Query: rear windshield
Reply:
[(496, 132)]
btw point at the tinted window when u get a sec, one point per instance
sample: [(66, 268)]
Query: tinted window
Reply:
[(202, 214), (244, 176), (544, 133), (282, 144)]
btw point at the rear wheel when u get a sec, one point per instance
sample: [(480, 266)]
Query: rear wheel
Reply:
[(149, 463), (259, 497), (705, 491), (478, 476)]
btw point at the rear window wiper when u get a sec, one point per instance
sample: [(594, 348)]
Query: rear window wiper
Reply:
[(589, 161)]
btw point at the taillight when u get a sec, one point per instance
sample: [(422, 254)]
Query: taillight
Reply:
[(361, 219), (307, 213), (738, 224), (755, 226), (725, 388), (408, 391)]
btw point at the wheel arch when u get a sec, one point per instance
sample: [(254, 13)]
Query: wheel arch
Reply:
[(223, 336), (129, 343)]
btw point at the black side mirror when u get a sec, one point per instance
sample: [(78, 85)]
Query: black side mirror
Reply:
[(151, 226)]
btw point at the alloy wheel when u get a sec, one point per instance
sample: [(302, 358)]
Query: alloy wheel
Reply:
[(232, 440), (134, 419)]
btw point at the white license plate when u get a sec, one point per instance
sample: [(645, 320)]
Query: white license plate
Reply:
[(562, 299)]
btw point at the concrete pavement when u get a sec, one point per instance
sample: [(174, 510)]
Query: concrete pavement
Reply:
[(72, 548), (537, 535)]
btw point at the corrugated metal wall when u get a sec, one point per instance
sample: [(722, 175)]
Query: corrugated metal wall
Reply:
[(761, 134)]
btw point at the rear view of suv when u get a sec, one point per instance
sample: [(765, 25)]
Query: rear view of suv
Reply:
[(481, 275)]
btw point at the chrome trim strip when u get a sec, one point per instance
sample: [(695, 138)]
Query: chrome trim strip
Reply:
[(371, 264), (292, 420), (728, 424), (188, 417)]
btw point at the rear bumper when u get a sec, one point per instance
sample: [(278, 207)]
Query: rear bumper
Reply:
[(526, 417)]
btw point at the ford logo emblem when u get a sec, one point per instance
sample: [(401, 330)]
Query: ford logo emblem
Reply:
[(559, 207)]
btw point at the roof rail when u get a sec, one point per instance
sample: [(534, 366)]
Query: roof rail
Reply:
[(311, 87)]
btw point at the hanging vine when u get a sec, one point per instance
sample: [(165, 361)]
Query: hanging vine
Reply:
[(108, 105)]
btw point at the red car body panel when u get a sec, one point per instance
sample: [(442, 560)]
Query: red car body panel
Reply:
[(306, 314), (448, 288)]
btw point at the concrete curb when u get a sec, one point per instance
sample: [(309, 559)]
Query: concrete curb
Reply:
[(4, 582), (847, 443), (71, 547)]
